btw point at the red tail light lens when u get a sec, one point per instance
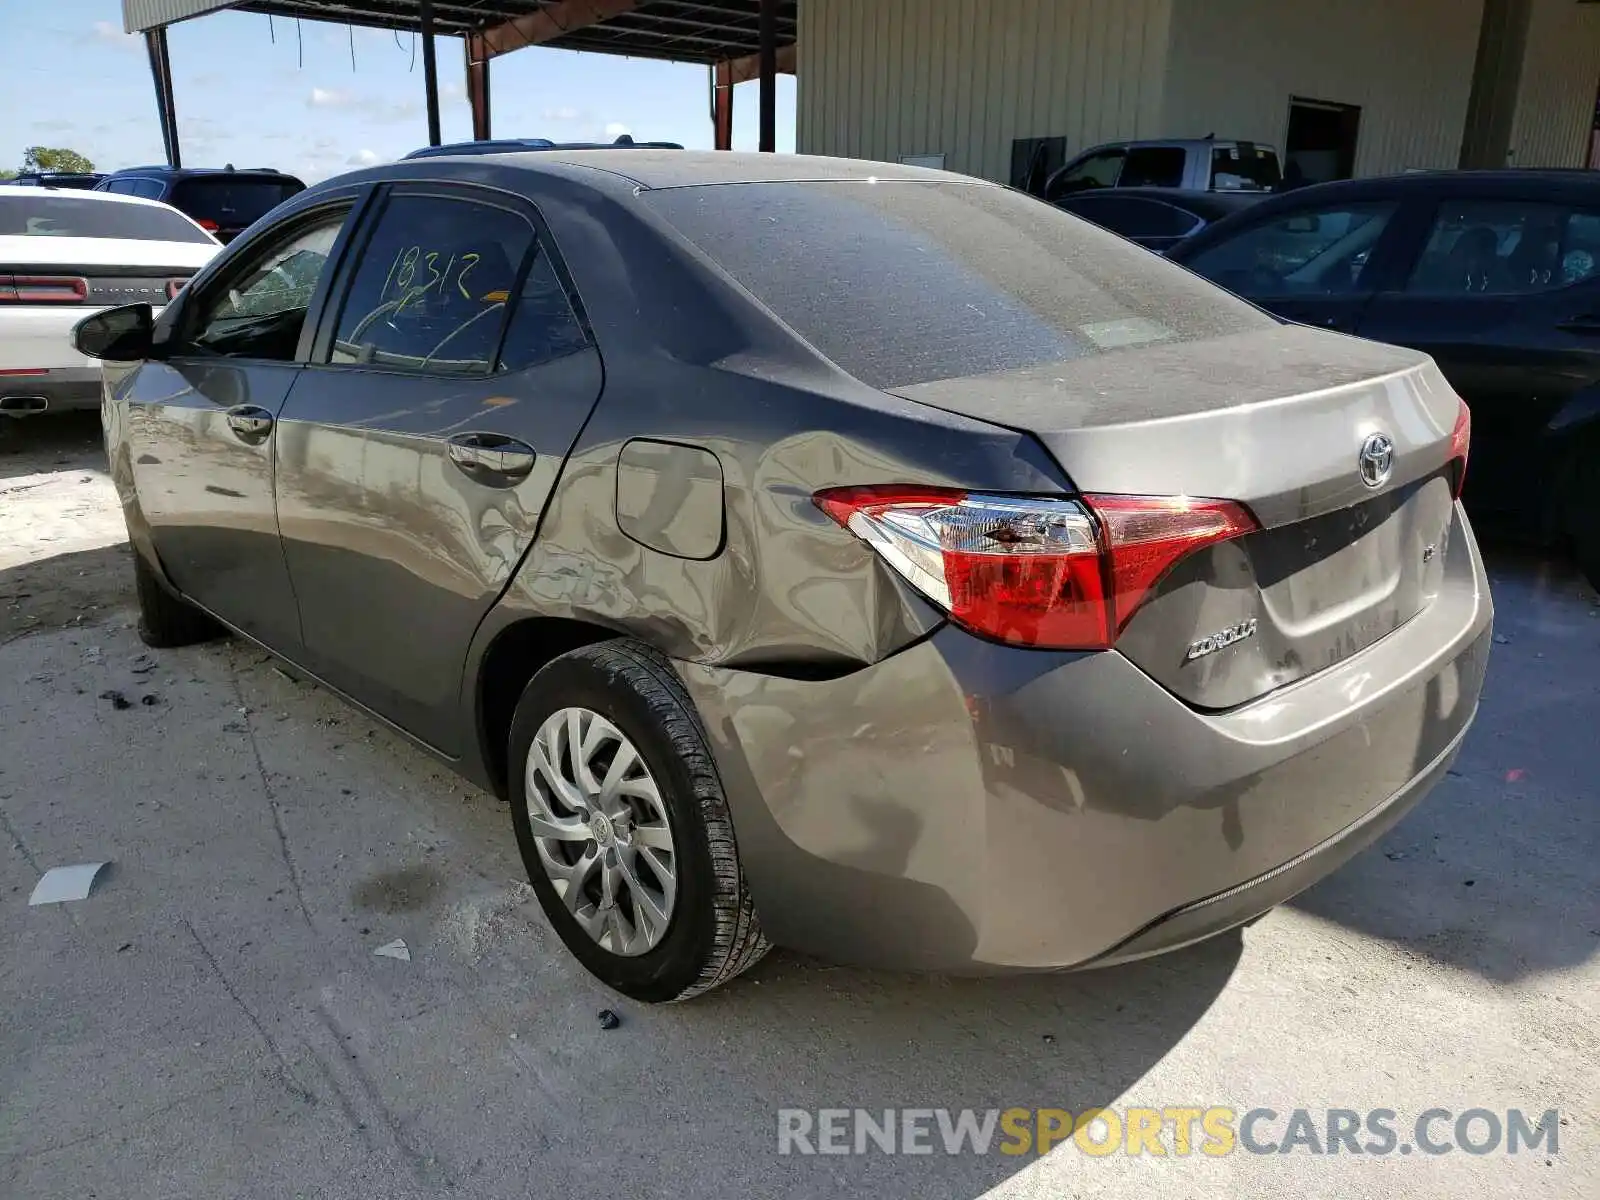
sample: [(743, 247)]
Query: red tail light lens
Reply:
[(1460, 444), (207, 224), (174, 286), (1058, 573), (43, 289)]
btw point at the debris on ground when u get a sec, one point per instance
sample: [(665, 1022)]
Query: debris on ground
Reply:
[(609, 1019), (149, 699), (118, 700), (142, 665), (59, 885), (473, 927), (394, 949)]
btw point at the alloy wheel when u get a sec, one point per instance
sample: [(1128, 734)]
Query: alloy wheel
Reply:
[(601, 829)]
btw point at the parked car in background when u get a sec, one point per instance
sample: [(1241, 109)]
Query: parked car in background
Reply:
[(1192, 164), (521, 145), (225, 201), (1496, 274), (1156, 218), (76, 180), (63, 255), (1021, 615)]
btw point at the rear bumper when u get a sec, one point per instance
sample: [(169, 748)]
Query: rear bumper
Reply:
[(61, 388), (966, 806)]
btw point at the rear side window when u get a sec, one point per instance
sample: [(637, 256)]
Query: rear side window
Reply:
[(1245, 168), (543, 326), (1153, 166), (51, 215), (433, 287), (1506, 247), (231, 201), (902, 283)]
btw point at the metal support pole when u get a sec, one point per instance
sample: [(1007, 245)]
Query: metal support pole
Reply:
[(478, 86), (769, 75), (430, 70), (722, 106), (155, 44)]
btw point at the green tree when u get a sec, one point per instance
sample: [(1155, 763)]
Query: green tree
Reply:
[(48, 158)]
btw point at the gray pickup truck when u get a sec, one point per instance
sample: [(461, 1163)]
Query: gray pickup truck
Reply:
[(1187, 164)]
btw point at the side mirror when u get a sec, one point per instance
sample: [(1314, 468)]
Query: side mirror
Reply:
[(117, 334)]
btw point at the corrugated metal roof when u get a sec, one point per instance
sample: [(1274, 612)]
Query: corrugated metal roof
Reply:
[(699, 31), (139, 15)]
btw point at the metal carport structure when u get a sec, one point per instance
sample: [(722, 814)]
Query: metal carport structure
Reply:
[(737, 39)]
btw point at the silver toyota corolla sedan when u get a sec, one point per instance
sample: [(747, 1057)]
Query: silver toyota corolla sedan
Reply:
[(852, 557)]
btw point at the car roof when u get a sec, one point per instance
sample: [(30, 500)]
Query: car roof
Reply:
[(32, 193), (646, 168), (1207, 203), (1507, 183), (186, 172), (517, 145)]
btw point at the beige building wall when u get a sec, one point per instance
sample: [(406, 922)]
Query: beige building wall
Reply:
[(886, 78), (1556, 96), (1407, 63)]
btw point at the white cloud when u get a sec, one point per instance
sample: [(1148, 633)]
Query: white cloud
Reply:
[(330, 98), (373, 108), (362, 158), (615, 129), (452, 93), (564, 113), (105, 31)]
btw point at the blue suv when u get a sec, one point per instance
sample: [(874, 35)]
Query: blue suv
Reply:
[(226, 201)]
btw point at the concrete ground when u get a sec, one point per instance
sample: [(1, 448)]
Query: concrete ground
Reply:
[(212, 1022)]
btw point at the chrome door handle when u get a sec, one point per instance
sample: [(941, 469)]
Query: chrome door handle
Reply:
[(250, 423), (492, 458)]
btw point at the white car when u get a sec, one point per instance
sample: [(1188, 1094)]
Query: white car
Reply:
[(64, 255)]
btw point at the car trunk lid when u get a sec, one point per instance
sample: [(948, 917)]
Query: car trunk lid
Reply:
[(1276, 420)]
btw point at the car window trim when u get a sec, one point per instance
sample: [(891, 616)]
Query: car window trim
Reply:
[(542, 243), (354, 202)]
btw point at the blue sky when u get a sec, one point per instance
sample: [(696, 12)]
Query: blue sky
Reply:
[(74, 79)]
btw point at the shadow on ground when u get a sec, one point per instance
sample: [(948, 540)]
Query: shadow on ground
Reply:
[(1497, 872), (39, 443)]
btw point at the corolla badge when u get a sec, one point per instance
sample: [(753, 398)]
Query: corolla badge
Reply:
[(1376, 460), (1221, 640)]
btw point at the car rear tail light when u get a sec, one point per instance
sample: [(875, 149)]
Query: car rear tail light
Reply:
[(174, 286), (43, 289), (1460, 445), (207, 224), (1032, 571)]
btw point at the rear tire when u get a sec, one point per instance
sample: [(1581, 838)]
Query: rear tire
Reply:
[(630, 696), (164, 620)]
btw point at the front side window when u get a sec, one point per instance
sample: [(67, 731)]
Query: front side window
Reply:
[(1134, 216), (1097, 171), (260, 312), (1506, 247), (1314, 252), (433, 287)]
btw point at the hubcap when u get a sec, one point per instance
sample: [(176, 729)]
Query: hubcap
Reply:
[(601, 830)]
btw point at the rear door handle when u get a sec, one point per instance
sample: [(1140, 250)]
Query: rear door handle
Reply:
[(492, 458), (250, 423)]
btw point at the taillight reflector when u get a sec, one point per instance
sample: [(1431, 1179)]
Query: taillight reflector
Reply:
[(174, 286), (1033, 571), (207, 224), (43, 289), (1460, 445)]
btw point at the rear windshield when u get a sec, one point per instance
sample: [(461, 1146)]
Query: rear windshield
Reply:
[(48, 215), (907, 282), (231, 201), (1245, 168)]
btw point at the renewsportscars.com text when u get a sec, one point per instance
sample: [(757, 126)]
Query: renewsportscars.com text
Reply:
[(1174, 1131)]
